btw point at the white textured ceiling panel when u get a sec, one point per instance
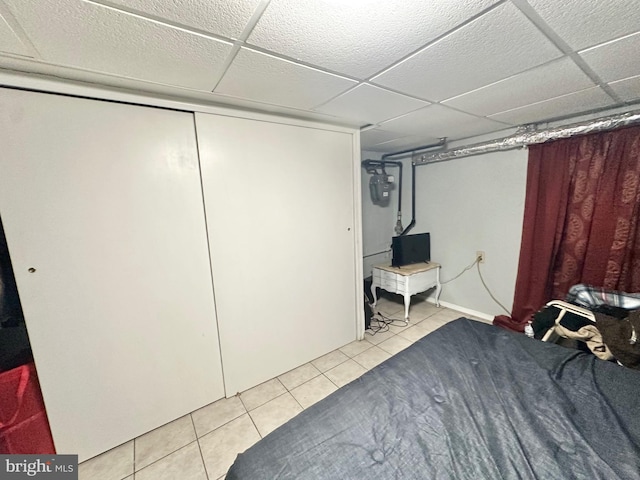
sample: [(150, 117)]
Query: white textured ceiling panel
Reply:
[(477, 60), (264, 78), (374, 136), (227, 18), (357, 38), (437, 121), (140, 89), (584, 23), (9, 41), (563, 106), (541, 83), (404, 143), (499, 44), (628, 89), (71, 32), (369, 104), (615, 60)]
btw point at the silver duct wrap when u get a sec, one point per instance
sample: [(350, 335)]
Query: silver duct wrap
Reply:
[(524, 138)]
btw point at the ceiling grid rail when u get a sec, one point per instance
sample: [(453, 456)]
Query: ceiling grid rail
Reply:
[(562, 45)]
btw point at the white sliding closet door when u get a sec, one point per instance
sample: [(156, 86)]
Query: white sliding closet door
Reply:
[(280, 213), (104, 202)]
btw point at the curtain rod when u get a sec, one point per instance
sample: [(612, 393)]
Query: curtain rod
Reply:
[(532, 137)]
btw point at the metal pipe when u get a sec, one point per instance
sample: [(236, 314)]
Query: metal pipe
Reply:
[(413, 200), (525, 138), (441, 143)]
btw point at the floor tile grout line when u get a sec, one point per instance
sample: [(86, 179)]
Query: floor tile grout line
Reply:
[(306, 381), (334, 383), (262, 405), (367, 368), (204, 464), (351, 357), (167, 455), (298, 402), (343, 361), (274, 378), (220, 426), (254, 425)]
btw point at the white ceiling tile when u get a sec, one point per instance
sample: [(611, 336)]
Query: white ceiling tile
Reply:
[(404, 143), (379, 148), (357, 38), (615, 60), (496, 45), (84, 35), (264, 78), (370, 104), (628, 89), (573, 103), (584, 23), (494, 62), (227, 18), (9, 41), (374, 136), (541, 83), (437, 121), (139, 89)]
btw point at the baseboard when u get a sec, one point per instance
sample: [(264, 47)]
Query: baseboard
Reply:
[(468, 311)]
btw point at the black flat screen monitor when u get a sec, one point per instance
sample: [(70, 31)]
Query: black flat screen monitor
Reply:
[(409, 249)]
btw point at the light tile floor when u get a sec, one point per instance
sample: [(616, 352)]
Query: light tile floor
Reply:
[(204, 444)]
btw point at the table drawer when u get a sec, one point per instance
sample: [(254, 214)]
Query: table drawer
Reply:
[(387, 276), (390, 285), (422, 282)]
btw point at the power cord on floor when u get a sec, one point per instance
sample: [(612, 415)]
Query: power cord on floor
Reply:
[(382, 323)]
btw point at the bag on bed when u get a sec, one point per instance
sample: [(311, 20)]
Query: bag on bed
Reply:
[(575, 331), (546, 317), (622, 337)]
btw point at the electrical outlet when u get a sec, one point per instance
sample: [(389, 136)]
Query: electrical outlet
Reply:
[(480, 255)]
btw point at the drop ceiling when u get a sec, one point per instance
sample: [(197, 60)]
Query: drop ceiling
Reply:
[(407, 71)]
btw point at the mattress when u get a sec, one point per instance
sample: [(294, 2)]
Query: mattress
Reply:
[(468, 401)]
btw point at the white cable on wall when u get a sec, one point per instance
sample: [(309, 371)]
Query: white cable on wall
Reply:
[(484, 284), (468, 267)]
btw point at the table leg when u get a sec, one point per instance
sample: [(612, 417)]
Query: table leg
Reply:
[(407, 302), (373, 293), (438, 287)]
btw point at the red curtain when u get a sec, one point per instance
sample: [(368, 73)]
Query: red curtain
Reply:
[(580, 220)]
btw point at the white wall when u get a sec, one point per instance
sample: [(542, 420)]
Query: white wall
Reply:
[(470, 204)]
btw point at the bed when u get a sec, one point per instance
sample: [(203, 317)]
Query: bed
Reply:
[(468, 401)]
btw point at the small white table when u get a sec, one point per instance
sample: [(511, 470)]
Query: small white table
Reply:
[(407, 280)]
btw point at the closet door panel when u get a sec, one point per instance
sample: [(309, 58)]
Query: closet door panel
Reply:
[(104, 202), (280, 215)]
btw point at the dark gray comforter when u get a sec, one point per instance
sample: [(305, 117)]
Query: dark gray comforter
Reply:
[(469, 401)]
